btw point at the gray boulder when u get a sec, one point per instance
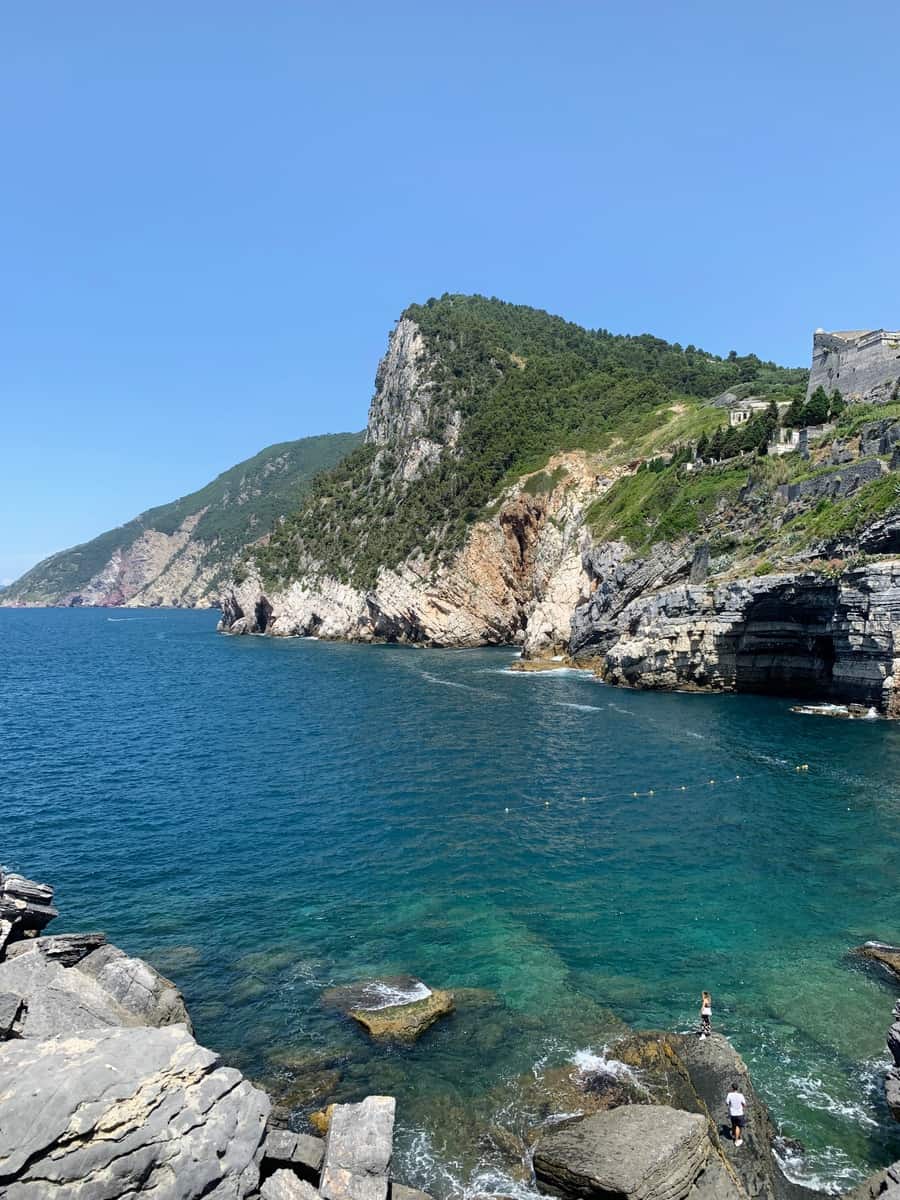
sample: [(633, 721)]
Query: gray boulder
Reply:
[(114, 1112), (105, 988), (358, 1150), (136, 986), (11, 1007), (637, 1152), (892, 1091), (65, 948), (284, 1185), (25, 904), (298, 1151)]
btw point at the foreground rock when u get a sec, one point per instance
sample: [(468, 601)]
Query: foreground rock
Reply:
[(114, 1112), (358, 1150), (696, 1075), (885, 1184), (638, 1152)]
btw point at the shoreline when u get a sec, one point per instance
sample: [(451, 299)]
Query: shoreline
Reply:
[(636, 1069)]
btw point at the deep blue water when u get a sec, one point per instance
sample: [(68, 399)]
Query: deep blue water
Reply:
[(265, 818)]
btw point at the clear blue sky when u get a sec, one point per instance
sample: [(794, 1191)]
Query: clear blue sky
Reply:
[(212, 212)]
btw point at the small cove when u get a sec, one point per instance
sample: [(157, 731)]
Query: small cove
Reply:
[(265, 819)]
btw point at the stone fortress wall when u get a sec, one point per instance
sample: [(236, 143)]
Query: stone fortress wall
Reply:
[(863, 365)]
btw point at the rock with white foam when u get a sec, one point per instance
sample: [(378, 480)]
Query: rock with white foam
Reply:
[(396, 1008)]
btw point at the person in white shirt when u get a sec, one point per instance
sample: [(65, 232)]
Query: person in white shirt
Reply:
[(737, 1106)]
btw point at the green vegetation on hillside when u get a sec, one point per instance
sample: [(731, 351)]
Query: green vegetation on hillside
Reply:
[(527, 384), (655, 506), (240, 505)]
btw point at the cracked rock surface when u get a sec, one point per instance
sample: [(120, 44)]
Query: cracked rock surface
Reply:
[(108, 1114)]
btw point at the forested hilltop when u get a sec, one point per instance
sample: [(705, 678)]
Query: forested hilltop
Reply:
[(183, 553), (505, 386)]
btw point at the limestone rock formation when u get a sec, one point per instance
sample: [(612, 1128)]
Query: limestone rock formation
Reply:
[(516, 579), (804, 634), (696, 1075), (639, 1152), (111, 1111), (358, 1150), (26, 907), (103, 988)]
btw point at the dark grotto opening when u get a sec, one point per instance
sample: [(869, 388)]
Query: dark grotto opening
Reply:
[(786, 645), (262, 614)]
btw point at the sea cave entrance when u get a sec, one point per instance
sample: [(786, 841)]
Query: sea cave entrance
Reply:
[(786, 645)]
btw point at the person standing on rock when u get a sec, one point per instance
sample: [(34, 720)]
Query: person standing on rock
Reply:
[(737, 1107), (705, 1015)]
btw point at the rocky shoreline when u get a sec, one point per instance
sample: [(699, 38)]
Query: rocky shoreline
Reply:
[(106, 1095)]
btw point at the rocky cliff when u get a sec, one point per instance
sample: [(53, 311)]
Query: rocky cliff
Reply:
[(644, 553), (180, 554)]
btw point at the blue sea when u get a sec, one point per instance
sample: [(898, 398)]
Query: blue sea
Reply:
[(265, 819)]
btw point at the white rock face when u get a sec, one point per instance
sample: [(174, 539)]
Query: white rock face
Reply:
[(517, 578)]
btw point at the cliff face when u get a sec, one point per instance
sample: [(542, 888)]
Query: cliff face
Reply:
[(640, 557), (805, 634), (516, 579), (180, 554)]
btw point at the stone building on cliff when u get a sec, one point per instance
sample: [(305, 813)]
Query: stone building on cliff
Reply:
[(861, 364)]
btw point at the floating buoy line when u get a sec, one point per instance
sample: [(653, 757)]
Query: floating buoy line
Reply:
[(704, 785)]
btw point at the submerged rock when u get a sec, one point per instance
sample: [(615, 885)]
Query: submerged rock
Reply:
[(405, 1022), (396, 1008), (881, 952), (639, 1152), (114, 1111)]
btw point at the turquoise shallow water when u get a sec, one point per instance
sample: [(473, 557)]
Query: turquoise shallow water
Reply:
[(264, 819)]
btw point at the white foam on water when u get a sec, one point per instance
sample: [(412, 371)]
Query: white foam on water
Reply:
[(812, 1092), (465, 687), (828, 1170), (589, 1062), (580, 707), (381, 995)]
